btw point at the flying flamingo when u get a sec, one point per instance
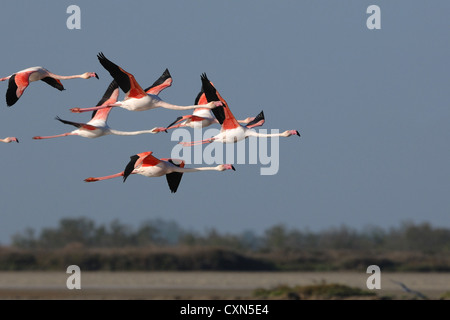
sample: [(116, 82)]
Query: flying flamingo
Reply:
[(201, 117), (232, 131), (136, 99), (9, 139), (19, 81), (98, 126), (149, 166)]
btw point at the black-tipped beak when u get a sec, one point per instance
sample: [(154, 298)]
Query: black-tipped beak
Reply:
[(17, 140), (165, 131), (298, 133), (96, 75), (232, 167)]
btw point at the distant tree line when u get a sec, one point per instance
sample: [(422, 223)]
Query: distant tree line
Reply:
[(278, 238), (164, 245)]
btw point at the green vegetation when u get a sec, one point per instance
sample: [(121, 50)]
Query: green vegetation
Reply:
[(163, 245), (315, 291)]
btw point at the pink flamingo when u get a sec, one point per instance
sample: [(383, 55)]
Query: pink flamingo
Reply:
[(19, 81), (149, 166), (136, 99), (232, 131)]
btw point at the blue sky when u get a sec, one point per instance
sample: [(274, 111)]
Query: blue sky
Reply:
[(372, 107)]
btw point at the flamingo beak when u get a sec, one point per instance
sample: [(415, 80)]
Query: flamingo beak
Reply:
[(96, 75), (229, 167), (298, 133)]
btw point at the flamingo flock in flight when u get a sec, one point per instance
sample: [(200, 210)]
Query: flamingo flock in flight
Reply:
[(209, 108)]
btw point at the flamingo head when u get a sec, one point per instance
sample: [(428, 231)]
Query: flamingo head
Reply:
[(11, 139), (88, 75), (159, 129), (289, 133), (224, 167)]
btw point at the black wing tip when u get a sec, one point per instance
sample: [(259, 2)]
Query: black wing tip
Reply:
[(204, 77), (167, 73), (10, 103), (178, 119), (11, 97), (130, 167)]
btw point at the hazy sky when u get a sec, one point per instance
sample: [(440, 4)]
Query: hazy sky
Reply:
[(372, 107)]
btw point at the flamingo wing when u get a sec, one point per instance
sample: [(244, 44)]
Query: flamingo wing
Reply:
[(11, 93), (201, 98), (125, 80), (174, 178), (130, 166), (77, 124), (223, 114), (179, 119), (55, 83), (164, 81), (258, 121), (144, 159), (110, 97)]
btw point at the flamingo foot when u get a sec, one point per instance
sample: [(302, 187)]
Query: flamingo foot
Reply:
[(90, 179)]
